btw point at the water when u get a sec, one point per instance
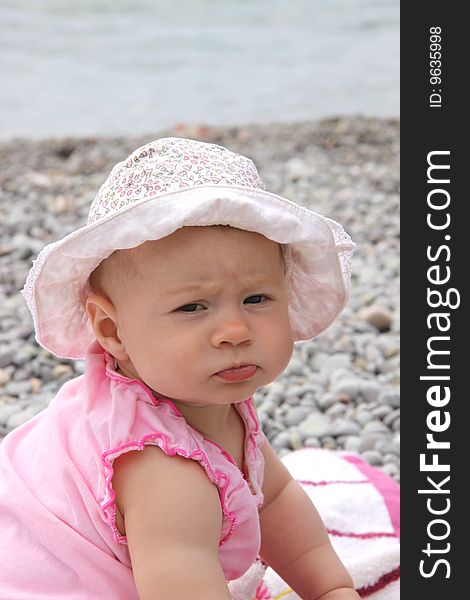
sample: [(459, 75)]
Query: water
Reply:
[(134, 66)]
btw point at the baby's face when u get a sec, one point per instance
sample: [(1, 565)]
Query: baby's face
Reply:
[(205, 300)]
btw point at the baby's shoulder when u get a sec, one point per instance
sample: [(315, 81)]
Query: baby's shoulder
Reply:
[(167, 489)]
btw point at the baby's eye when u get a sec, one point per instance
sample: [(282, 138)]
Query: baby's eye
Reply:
[(191, 307), (255, 299)]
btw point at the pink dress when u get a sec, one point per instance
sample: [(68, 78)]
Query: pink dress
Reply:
[(57, 504)]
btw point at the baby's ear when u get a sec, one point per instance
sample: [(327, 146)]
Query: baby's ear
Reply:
[(103, 318)]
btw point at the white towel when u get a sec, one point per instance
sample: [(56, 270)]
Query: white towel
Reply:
[(360, 508)]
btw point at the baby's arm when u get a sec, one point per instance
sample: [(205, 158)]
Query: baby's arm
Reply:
[(294, 541), (172, 519)]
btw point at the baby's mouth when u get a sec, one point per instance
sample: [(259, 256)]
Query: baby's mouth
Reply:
[(242, 373)]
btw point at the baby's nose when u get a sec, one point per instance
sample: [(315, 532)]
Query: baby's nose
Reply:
[(233, 329)]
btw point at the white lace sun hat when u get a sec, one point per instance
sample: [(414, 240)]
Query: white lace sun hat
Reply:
[(168, 184)]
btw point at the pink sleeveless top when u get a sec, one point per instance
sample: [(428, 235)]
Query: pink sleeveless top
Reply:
[(57, 504)]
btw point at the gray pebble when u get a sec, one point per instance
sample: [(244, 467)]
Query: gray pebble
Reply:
[(381, 411), (6, 358), (328, 442), (375, 427), (351, 387), (291, 400), (5, 376), (344, 427), (338, 375), (44, 371), (391, 469), (293, 392), (267, 406), (62, 372), (7, 410), (24, 355), (333, 363), (391, 416), (363, 416), (276, 390), (17, 388), (308, 400), (272, 427), (391, 397), (336, 410), (22, 373), (373, 355), (362, 326), (391, 458), (295, 367), (390, 365), (372, 457), (394, 445), (317, 360), (312, 442), (370, 390), (327, 400), (295, 415), (382, 446), (281, 440), (368, 441), (388, 345)]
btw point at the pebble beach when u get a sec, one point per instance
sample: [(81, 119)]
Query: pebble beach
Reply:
[(341, 390)]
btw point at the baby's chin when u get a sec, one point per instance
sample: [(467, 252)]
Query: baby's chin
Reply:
[(234, 394), (200, 402)]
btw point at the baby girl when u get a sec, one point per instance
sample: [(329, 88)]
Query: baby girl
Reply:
[(149, 476)]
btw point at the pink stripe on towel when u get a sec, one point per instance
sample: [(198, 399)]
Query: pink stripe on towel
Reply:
[(363, 536), (385, 485)]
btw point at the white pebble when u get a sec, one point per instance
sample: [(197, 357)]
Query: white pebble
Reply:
[(316, 424), (352, 443)]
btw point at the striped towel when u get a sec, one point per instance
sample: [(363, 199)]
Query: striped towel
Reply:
[(360, 508)]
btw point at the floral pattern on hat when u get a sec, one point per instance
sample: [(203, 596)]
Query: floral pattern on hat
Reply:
[(171, 165)]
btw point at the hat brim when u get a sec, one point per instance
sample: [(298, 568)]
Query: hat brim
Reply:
[(318, 258)]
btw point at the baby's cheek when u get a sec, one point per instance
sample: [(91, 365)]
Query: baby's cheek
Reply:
[(283, 344)]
